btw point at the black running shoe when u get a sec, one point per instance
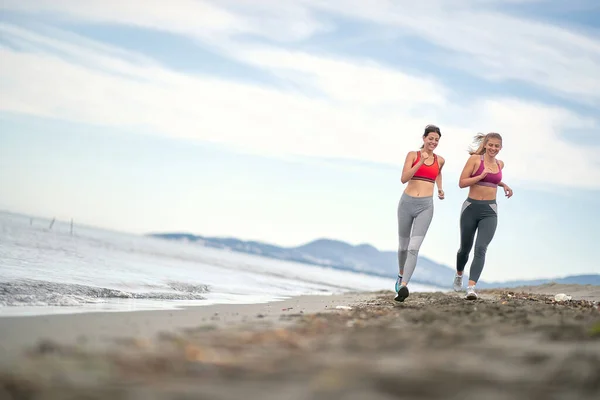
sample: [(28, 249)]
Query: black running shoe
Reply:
[(402, 294)]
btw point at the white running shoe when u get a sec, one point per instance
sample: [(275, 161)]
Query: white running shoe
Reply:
[(471, 294), (458, 279)]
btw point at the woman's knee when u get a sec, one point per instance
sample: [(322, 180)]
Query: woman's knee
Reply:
[(480, 250)]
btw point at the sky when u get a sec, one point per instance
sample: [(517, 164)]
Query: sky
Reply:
[(286, 122)]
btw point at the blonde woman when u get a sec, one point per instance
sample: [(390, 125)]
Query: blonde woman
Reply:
[(482, 174)]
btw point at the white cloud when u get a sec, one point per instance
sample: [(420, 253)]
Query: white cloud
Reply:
[(204, 20), (347, 82), (493, 45), (179, 16), (376, 122), (326, 106), (475, 34)]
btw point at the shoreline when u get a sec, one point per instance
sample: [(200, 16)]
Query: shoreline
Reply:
[(99, 329)]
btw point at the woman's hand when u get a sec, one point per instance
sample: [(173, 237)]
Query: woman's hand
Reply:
[(507, 191), (441, 194), (485, 172)]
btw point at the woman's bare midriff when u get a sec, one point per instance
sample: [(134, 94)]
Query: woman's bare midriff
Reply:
[(478, 192), (418, 188)]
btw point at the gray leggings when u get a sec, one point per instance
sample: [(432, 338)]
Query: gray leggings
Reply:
[(414, 216), (480, 216)]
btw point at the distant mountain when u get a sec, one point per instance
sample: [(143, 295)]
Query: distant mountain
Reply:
[(361, 258), (592, 279), (330, 253)]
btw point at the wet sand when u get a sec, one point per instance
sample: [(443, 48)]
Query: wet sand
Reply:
[(509, 344), (100, 329)]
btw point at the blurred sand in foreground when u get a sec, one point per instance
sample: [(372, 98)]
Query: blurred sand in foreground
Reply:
[(510, 344)]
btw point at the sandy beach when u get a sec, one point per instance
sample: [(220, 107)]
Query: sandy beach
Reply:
[(98, 330), (509, 344)]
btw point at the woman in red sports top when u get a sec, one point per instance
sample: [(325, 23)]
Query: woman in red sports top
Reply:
[(482, 174), (422, 170)]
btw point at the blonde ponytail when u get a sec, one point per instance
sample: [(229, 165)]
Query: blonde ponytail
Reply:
[(480, 140)]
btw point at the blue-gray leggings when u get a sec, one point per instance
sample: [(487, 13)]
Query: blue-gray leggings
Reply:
[(479, 216)]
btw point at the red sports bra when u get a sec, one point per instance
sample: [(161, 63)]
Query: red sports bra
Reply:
[(426, 172)]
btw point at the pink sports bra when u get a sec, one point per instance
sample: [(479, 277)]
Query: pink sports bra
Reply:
[(491, 180)]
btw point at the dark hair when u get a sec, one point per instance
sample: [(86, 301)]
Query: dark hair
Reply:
[(429, 129), (432, 128)]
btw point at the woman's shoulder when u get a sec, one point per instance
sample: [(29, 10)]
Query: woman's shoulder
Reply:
[(412, 156), (413, 153), (440, 158)]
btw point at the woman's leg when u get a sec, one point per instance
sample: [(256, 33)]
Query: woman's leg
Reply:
[(405, 223), (485, 234), (468, 227), (420, 227)]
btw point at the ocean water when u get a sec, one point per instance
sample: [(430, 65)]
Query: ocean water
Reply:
[(44, 269)]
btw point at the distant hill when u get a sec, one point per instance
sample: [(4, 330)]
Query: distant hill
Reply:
[(330, 253), (592, 279), (361, 258)]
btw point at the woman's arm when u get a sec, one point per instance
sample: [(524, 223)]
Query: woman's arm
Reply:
[(507, 190), (465, 177), (408, 171), (438, 180)]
